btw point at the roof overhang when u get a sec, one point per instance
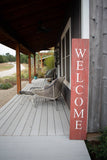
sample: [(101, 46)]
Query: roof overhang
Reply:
[(36, 24)]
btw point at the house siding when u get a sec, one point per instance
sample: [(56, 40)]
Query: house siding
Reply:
[(97, 109), (98, 66)]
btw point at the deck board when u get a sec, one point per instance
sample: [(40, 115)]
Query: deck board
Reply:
[(8, 107), (29, 122), (8, 104), (36, 124), (16, 121), (51, 122), (6, 115), (10, 118), (63, 118), (58, 124), (22, 122), (27, 115), (43, 123)]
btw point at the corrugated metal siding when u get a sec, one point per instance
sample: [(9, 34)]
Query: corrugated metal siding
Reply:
[(98, 66)]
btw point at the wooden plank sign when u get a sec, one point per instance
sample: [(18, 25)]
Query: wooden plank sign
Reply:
[(79, 88)]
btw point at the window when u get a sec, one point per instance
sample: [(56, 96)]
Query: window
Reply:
[(67, 57), (66, 53), (63, 56)]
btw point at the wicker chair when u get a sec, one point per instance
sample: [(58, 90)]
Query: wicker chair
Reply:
[(50, 92)]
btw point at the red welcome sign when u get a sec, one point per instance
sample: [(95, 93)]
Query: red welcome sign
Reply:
[(79, 88)]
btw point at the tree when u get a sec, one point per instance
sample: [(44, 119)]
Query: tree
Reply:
[(1, 59), (23, 58), (49, 62), (10, 57)]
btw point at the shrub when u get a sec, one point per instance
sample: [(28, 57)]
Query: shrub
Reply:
[(11, 80), (40, 74), (98, 150), (101, 151), (49, 62), (7, 82), (5, 85)]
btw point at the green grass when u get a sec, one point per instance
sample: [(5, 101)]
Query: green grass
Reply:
[(5, 66)]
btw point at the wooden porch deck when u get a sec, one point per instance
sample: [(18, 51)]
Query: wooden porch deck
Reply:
[(38, 132), (21, 117)]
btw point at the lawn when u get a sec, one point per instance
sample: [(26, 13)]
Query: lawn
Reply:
[(5, 66)]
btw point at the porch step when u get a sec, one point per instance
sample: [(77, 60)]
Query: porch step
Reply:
[(42, 148)]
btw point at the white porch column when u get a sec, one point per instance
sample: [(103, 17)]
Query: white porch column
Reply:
[(85, 19)]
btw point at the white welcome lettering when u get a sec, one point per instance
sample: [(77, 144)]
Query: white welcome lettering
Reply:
[(78, 78), (80, 52), (77, 100), (78, 114), (76, 89), (78, 124), (80, 65)]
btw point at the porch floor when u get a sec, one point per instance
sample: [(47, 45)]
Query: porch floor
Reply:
[(21, 117), (42, 148), (40, 132)]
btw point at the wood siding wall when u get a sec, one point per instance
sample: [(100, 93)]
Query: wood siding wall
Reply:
[(97, 115)]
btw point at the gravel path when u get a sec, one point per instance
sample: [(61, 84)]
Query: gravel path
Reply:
[(10, 71), (6, 95)]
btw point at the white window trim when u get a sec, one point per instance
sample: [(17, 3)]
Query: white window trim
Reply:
[(85, 19), (68, 26)]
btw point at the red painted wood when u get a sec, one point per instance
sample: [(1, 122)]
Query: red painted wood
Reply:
[(79, 88)]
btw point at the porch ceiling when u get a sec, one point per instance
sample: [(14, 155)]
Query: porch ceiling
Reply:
[(34, 24)]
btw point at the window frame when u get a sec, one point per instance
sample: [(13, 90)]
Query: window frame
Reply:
[(63, 36)]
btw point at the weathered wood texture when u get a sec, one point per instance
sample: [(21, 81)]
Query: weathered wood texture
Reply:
[(98, 66)]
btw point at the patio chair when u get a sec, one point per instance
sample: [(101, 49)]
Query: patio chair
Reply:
[(51, 74), (50, 92)]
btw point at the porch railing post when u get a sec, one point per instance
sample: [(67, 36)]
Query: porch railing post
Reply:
[(29, 62), (18, 74)]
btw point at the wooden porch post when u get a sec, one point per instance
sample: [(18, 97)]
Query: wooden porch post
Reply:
[(18, 74), (34, 65), (29, 61)]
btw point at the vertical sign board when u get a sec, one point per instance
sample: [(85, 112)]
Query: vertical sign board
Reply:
[(79, 88)]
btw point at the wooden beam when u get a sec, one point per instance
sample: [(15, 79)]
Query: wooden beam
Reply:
[(34, 65), (29, 61), (42, 54), (12, 34), (18, 74)]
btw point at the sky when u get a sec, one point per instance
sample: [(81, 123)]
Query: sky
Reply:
[(5, 49)]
